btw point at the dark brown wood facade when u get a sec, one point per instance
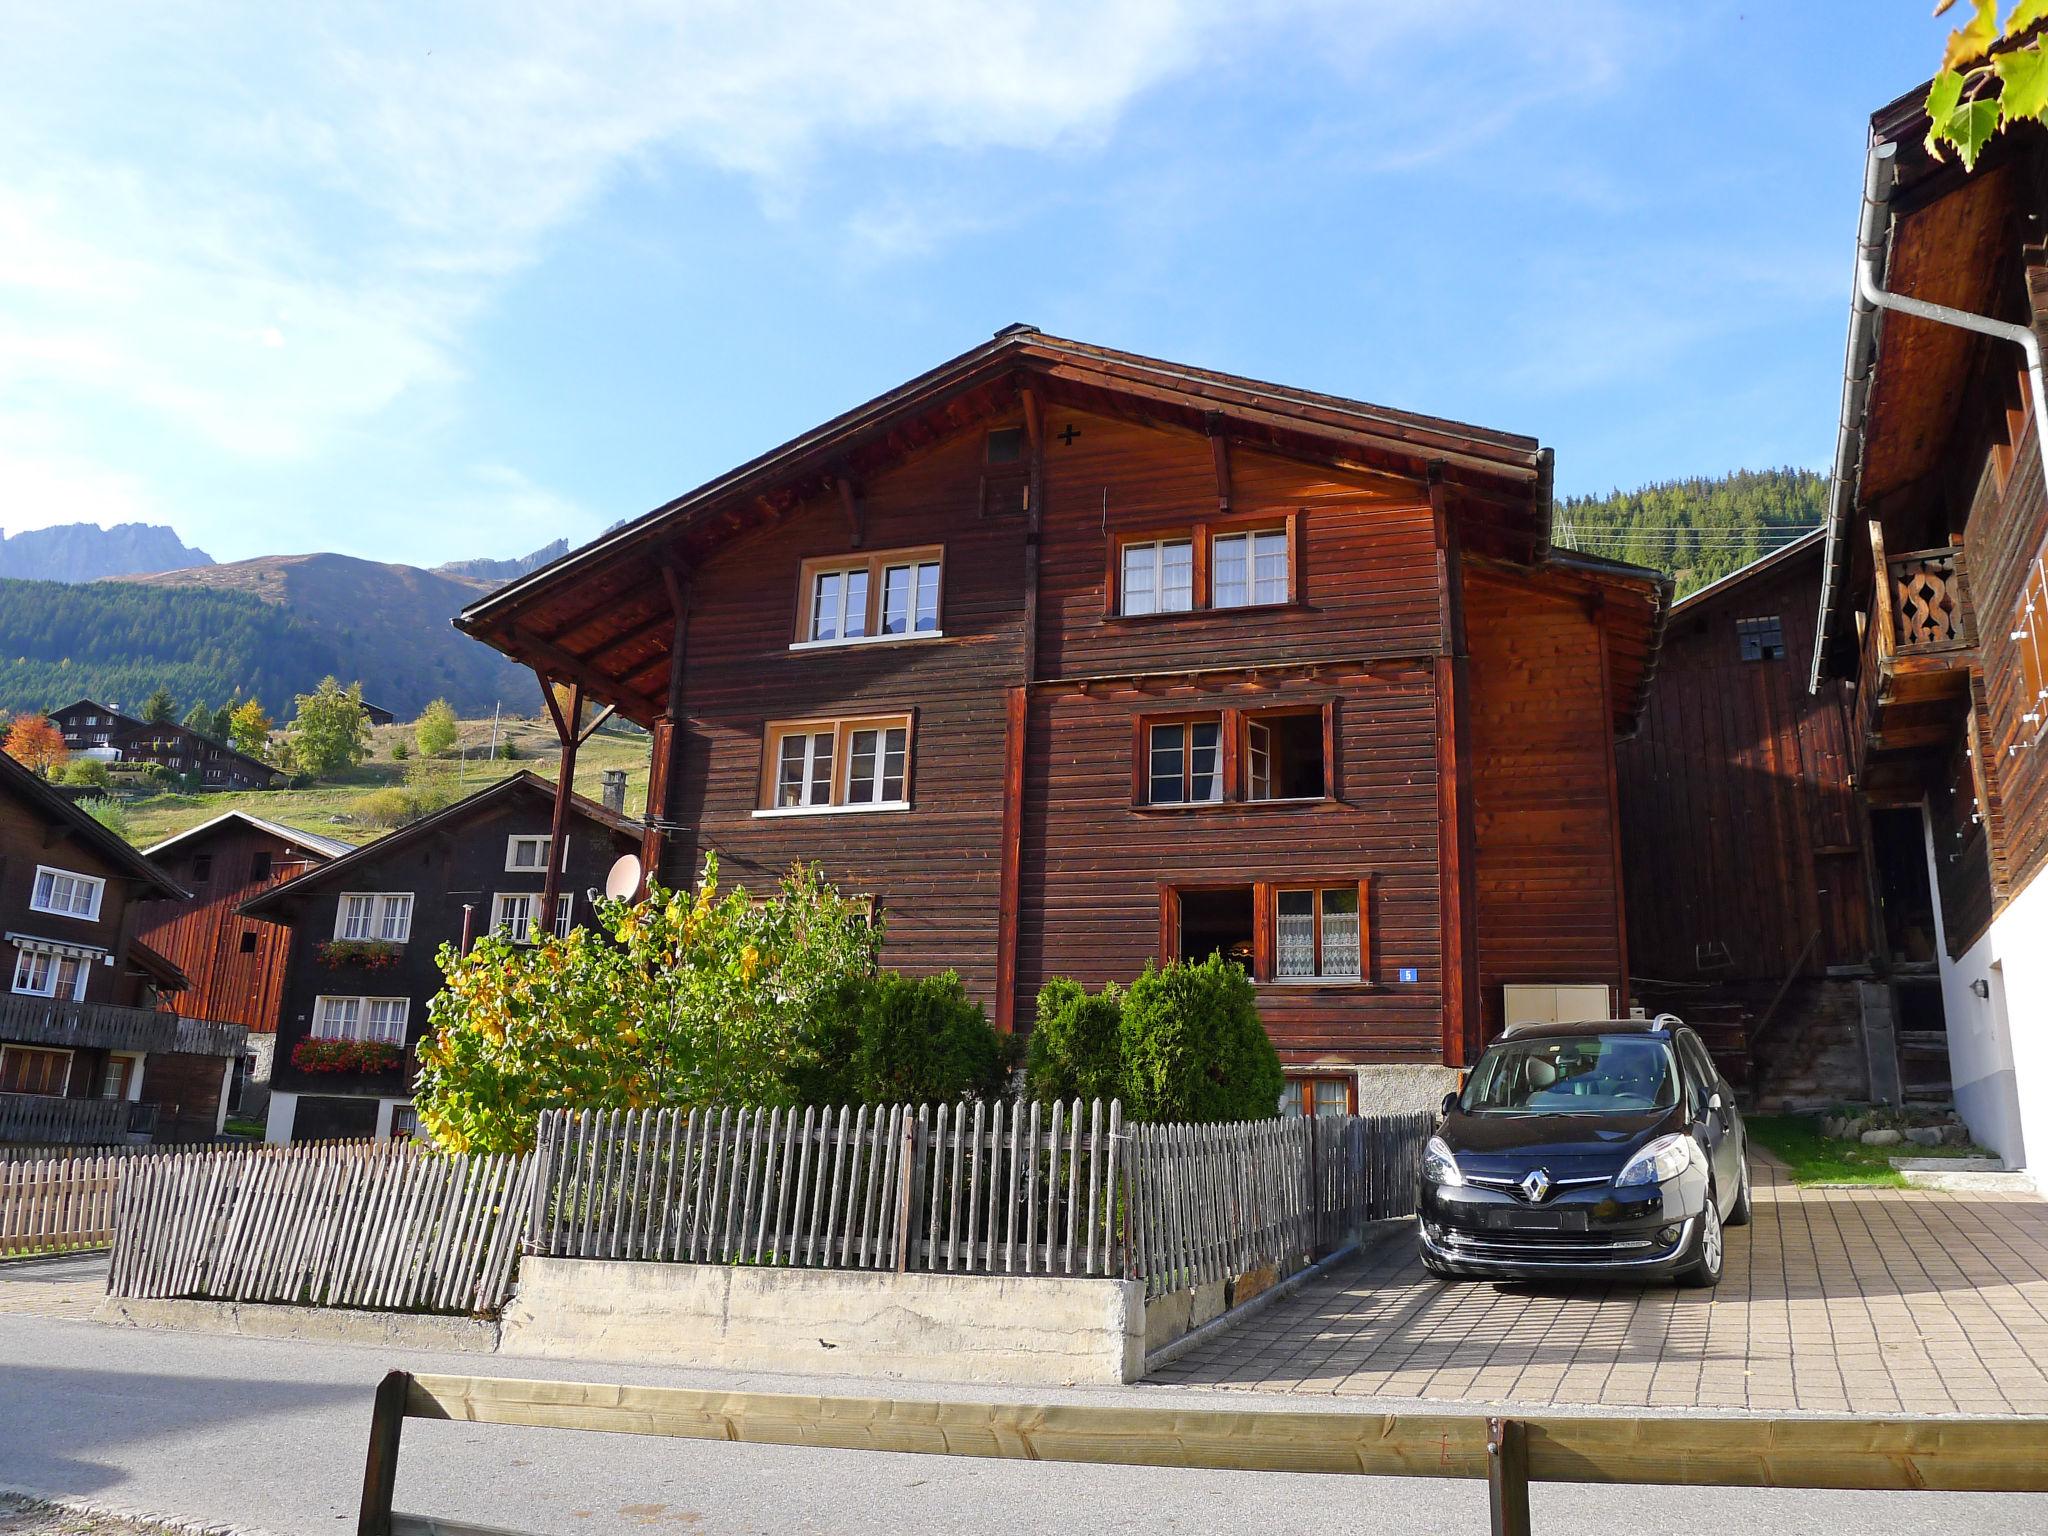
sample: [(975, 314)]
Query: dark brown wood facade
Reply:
[(235, 963), (1740, 829), (1026, 845), (450, 867)]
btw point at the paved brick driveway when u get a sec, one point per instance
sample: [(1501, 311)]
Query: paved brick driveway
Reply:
[(1832, 1300), (63, 1287)]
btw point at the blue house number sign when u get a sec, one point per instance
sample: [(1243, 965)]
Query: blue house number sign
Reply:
[(1407, 973)]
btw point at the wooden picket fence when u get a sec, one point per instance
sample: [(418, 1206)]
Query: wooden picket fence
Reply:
[(387, 1225), (57, 1205), (984, 1188)]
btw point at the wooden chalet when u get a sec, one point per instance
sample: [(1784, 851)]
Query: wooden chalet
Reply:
[(1075, 659), (89, 1053), (206, 763), (1750, 886), (366, 926), (1934, 595), (236, 964)]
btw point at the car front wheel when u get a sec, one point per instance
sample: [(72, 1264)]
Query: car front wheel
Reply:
[(1706, 1266)]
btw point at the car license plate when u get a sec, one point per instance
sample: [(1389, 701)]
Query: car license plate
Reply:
[(1521, 1220)]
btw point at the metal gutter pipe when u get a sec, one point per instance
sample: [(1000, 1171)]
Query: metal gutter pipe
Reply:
[(1871, 232), (1871, 297)]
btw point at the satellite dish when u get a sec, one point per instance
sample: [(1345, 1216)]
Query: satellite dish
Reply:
[(624, 879)]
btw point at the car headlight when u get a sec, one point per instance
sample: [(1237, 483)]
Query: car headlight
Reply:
[(1438, 1166), (1665, 1158)]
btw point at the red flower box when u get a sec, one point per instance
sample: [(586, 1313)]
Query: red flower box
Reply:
[(368, 954), (347, 1056)]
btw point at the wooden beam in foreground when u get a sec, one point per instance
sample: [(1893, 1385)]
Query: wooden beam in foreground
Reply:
[(1983, 1455)]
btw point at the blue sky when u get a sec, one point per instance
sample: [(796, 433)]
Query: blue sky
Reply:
[(424, 282)]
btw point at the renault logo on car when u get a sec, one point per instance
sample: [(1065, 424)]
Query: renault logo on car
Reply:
[(1536, 1185)]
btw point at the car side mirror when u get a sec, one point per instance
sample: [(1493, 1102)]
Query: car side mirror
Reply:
[(1716, 1108), (1450, 1103)]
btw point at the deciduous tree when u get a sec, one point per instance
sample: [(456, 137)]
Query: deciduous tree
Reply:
[(35, 742), (1992, 76), (249, 728), (331, 730), (434, 732)]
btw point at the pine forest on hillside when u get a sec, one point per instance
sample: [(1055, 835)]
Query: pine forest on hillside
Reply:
[(119, 643), (1699, 530)]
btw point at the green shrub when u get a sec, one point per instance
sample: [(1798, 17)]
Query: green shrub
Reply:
[(89, 770), (109, 814), (1193, 1048), (393, 807), (399, 752), (921, 1040), (1074, 1051)]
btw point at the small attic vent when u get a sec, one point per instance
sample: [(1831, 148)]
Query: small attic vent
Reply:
[(1006, 445)]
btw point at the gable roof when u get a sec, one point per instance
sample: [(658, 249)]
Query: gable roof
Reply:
[(1808, 543), (174, 728), (601, 614), (326, 847), (523, 783), (54, 808)]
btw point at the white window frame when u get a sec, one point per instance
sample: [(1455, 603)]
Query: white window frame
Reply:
[(512, 845), (837, 784), (565, 905), (1155, 549), (519, 930), (40, 969), (93, 884), (1250, 538), (357, 1025), (879, 759), (872, 569), (379, 917)]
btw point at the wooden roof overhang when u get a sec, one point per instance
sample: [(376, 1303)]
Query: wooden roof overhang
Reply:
[(1952, 243), (1631, 604), (603, 616)]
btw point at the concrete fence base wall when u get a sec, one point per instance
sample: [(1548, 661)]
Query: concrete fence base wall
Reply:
[(1029, 1330)]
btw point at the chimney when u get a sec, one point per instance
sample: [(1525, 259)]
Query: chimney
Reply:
[(614, 781)]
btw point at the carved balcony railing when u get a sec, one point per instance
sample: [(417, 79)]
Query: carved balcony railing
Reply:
[(110, 1027), (1930, 601)]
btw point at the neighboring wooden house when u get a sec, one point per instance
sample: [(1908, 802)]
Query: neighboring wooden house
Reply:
[(1934, 597), (87, 1051), (366, 927), (377, 714), (236, 964), (1074, 659), (87, 725), (206, 763), (1749, 898)]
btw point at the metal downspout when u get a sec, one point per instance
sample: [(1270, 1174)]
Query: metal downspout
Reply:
[(1871, 297)]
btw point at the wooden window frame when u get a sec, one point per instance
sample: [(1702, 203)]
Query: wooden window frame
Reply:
[(1235, 739), (1265, 926), (1759, 626), (95, 883), (1202, 533), (1302, 1086), (842, 728), (377, 900), (1141, 763), (875, 565), (1361, 889), (18, 1049)]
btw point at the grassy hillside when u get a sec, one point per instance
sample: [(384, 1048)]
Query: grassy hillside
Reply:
[(387, 625), (334, 808), (1698, 530)]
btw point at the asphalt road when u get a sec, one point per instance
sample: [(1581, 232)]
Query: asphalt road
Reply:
[(270, 1436)]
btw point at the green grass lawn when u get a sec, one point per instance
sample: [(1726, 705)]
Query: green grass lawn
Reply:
[(329, 806), (1818, 1159)]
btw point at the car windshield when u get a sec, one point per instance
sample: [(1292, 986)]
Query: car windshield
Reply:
[(1573, 1075)]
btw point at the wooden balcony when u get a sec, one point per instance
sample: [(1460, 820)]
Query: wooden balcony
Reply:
[(41, 1120), (1913, 688), (108, 1027)]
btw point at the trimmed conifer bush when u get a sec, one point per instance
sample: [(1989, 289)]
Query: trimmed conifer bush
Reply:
[(1193, 1047), (1073, 1052)]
